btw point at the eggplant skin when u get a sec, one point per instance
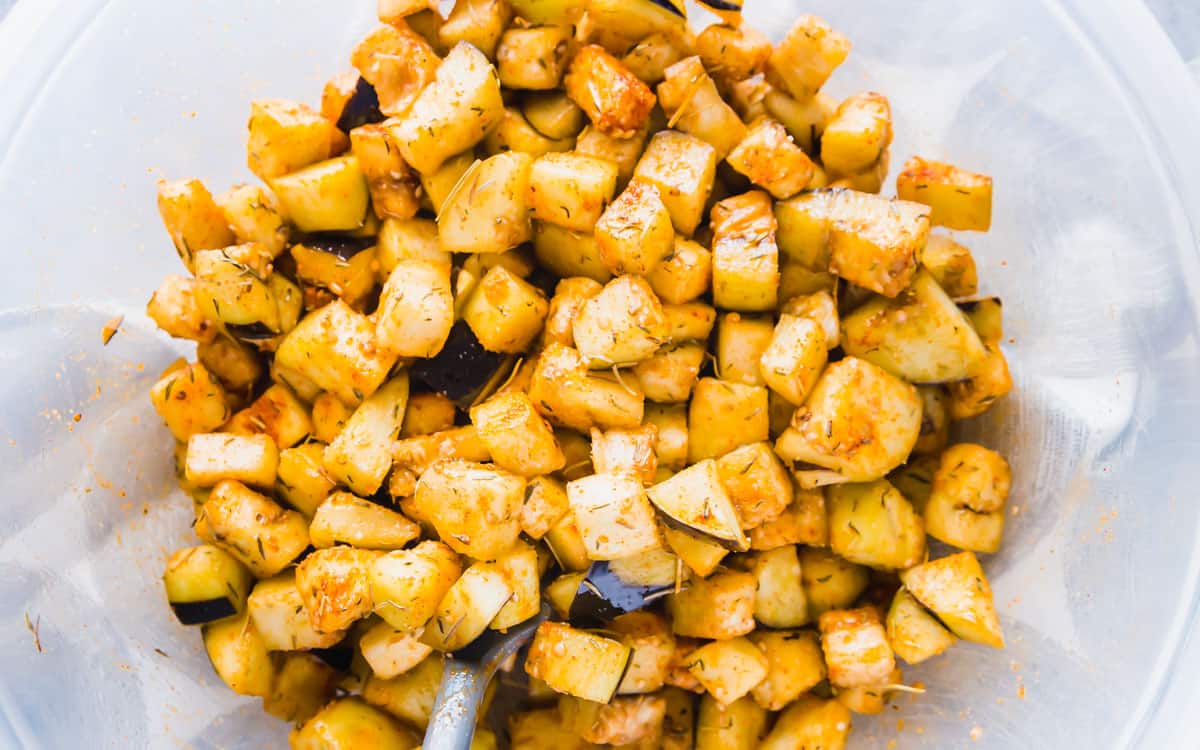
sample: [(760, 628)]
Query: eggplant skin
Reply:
[(603, 596), (461, 368), (336, 244), (338, 657), (209, 610), (362, 108), (250, 332), (728, 5), (678, 8)]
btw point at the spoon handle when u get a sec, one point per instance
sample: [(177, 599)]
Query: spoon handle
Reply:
[(452, 723)]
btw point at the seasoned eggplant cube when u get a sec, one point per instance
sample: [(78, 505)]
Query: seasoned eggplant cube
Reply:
[(623, 721), (732, 53), (807, 56), (966, 503), (569, 296), (856, 648), (723, 416), (634, 233), (780, 601), (738, 726), (802, 522), (959, 199), (610, 95), (829, 581), (566, 545), (624, 152), (475, 508), (571, 189), (914, 633), (796, 280), (792, 362), (239, 656), (237, 365), (858, 420), (349, 723), (409, 584), (692, 104), (874, 242), (691, 321), (361, 454), (565, 393), (278, 613), (810, 722), (915, 479), (757, 483), (517, 437), (192, 218), (576, 662), (628, 452), (700, 555), (190, 401), (670, 374), (857, 135), (745, 257), (804, 223), (613, 516), (684, 274), (461, 368), (952, 265), (920, 335), (768, 158), (696, 502), (683, 167), (543, 728), (990, 381), (805, 119), (329, 196), (671, 435), (741, 340), (728, 669), (438, 185), (488, 210), (303, 685), (346, 519), (650, 57), (873, 524), (416, 309), (468, 607), (650, 637), (514, 133), (398, 64), (336, 348), (545, 505), (452, 113), (212, 457), (719, 607), (478, 22), (410, 696), (360, 107), (522, 569), (285, 137), (795, 665), (335, 586), (820, 307), (231, 286), (329, 416), (987, 317), (533, 58), (392, 185), (555, 116), (416, 455), (390, 652), (175, 309), (408, 239), (257, 531), (205, 583), (505, 312), (427, 413), (621, 325), (567, 253)]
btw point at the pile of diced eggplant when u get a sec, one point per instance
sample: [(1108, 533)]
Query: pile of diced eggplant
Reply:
[(555, 300)]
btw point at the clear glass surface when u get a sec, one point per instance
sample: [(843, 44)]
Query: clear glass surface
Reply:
[(1079, 109)]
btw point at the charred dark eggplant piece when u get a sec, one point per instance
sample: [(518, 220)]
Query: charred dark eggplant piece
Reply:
[(461, 368), (362, 108)]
